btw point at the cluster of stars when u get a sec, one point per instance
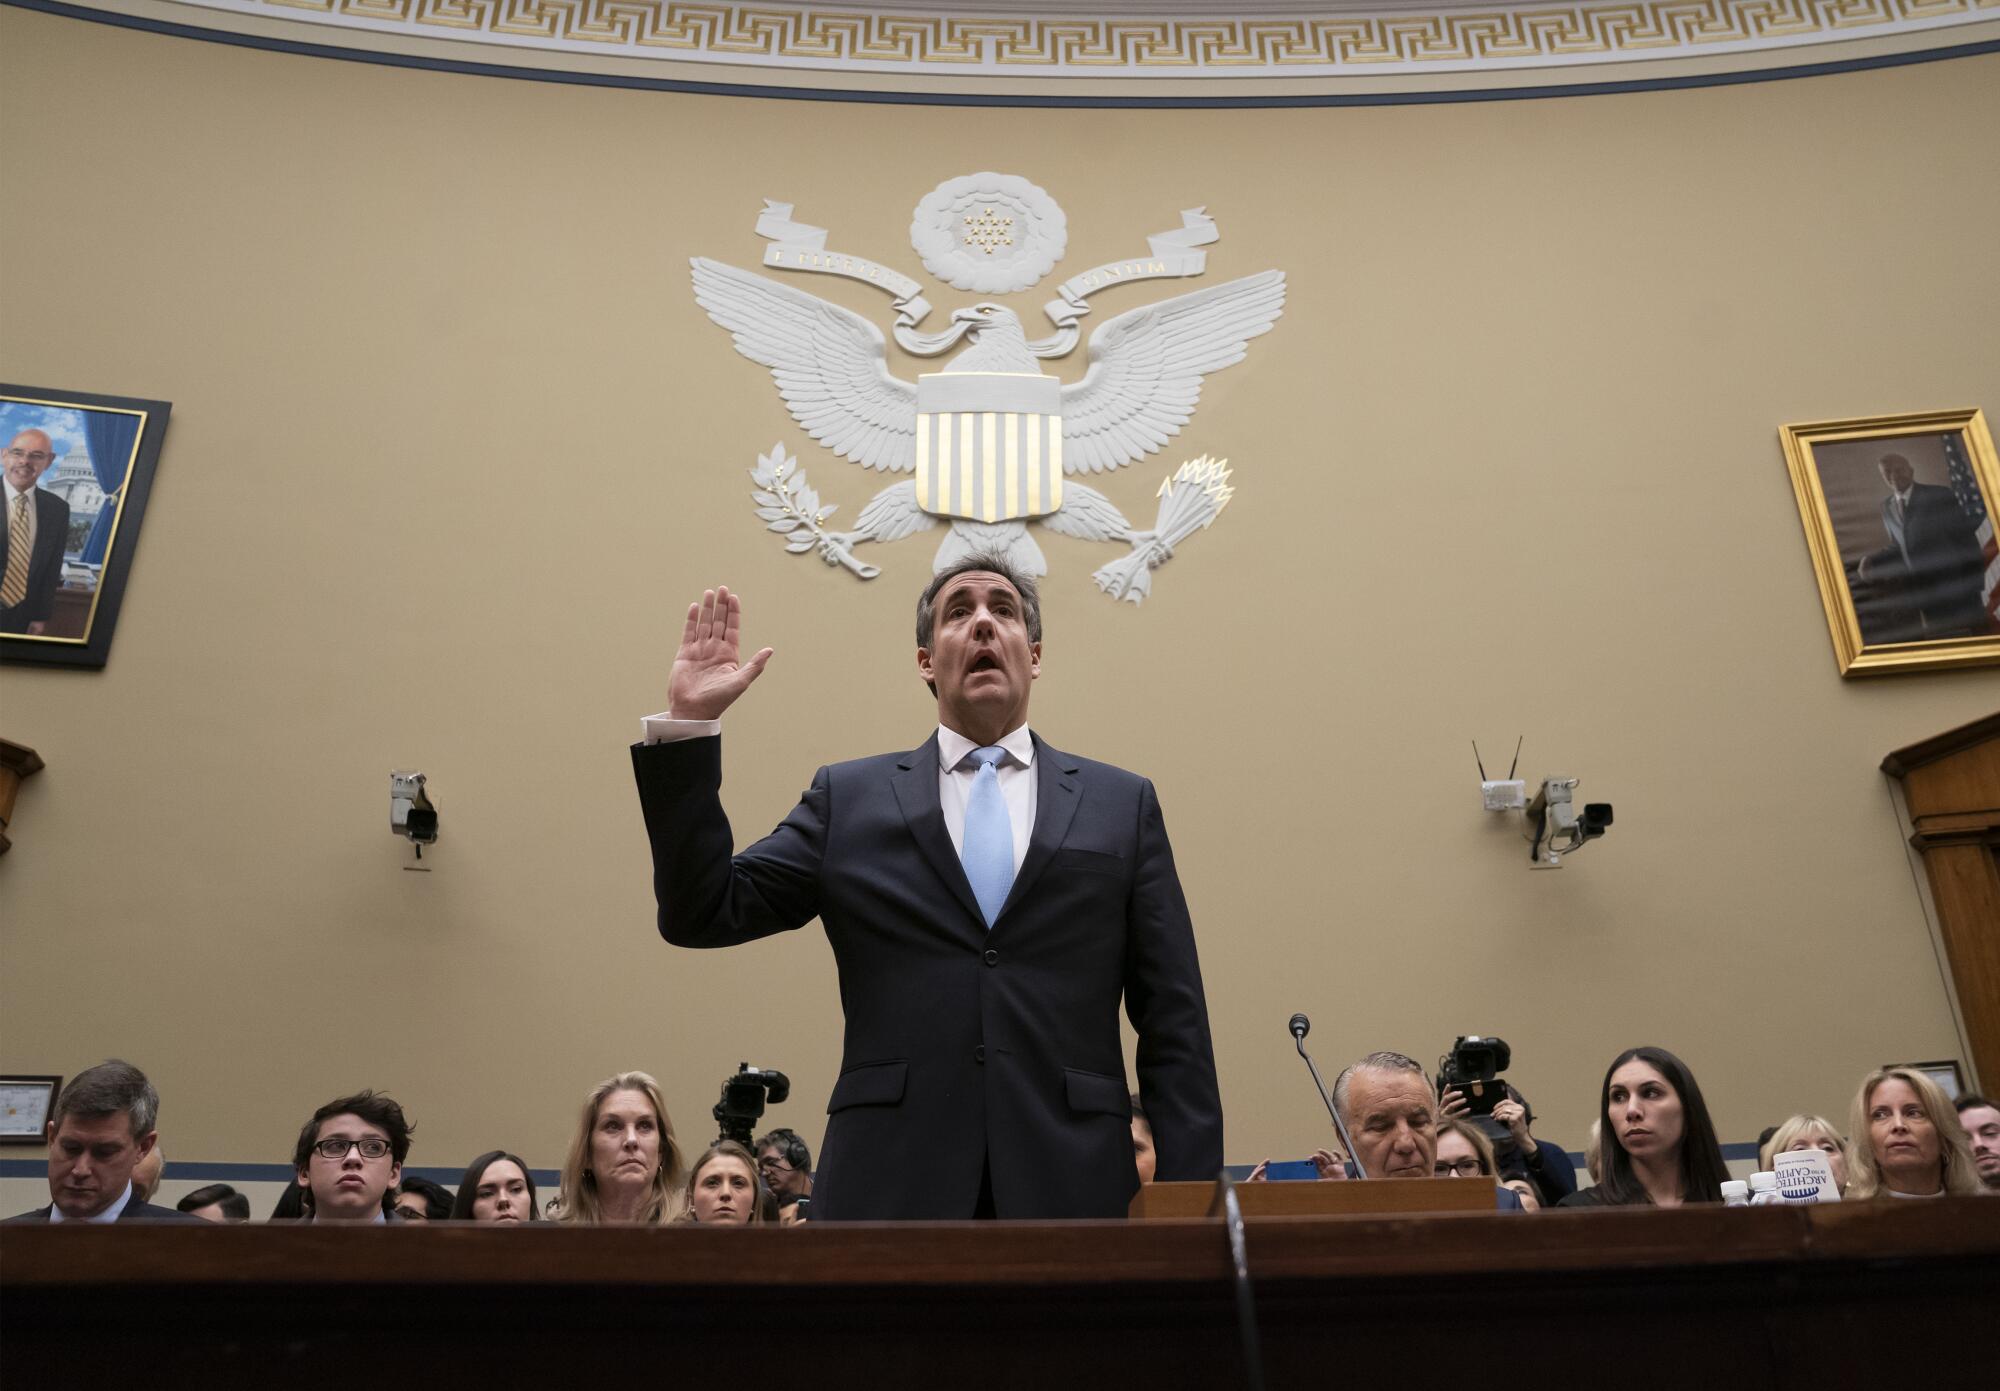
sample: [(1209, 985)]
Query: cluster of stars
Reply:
[(989, 231)]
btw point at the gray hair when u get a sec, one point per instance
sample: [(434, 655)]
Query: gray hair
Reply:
[(112, 1086), (991, 562), (1380, 1062)]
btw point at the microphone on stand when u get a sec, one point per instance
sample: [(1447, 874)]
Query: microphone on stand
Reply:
[(1301, 1026)]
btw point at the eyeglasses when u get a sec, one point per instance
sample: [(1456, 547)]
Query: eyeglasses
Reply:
[(1456, 1168), (771, 1161), (371, 1147), (37, 457)]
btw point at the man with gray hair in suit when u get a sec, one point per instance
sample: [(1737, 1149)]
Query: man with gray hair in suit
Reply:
[(103, 1126)]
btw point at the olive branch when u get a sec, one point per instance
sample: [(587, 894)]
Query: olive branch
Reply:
[(788, 506)]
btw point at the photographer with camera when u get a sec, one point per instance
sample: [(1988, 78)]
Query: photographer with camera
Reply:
[(1470, 1087), (786, 1164)]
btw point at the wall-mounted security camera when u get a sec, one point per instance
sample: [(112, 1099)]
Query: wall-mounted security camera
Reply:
[(1555, 826), (412, 814)]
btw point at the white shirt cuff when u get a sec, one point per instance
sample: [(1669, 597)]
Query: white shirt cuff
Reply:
[(664, 729)]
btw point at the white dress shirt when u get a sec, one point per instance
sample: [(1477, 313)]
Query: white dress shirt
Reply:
[(1016, 773), (109, 1214)]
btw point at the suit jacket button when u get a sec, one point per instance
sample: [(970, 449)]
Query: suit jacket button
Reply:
[(992, 958), (979, 1054)]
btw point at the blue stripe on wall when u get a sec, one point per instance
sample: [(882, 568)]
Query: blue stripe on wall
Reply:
[(738, 89)]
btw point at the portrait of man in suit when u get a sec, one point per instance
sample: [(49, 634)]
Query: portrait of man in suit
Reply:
[(990, 900), (37, 532), (1931, 570)]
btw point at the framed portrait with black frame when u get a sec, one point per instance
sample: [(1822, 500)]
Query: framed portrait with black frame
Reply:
[(1899, 514), (78, 467)]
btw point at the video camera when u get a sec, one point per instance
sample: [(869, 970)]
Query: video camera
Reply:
[(743, 1098), (1474, 1065)]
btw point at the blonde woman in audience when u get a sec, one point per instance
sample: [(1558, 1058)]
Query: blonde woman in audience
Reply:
[(623, 1164), (1908, 1142), (723, 1188), (1593, 1152), (1803, 1132)]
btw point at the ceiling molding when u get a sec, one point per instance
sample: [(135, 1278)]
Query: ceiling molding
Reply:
[(1015, 40)]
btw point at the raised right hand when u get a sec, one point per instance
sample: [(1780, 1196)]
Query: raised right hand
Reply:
[(707, 677)]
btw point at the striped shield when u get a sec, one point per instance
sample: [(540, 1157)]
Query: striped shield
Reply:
[(989, 444)]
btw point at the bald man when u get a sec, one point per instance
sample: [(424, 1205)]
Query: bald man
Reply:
[(37, 530)]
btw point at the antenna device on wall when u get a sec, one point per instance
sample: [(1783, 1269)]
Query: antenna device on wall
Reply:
[(1502, 794)]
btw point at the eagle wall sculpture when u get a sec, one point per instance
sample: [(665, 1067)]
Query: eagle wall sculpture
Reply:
[(991, 442)]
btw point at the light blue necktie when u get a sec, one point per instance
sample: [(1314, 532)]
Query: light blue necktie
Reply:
[(987, 852)]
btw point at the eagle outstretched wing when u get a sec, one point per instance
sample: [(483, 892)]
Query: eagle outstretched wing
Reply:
[(830, 364), (1146, 367), (893, 514)]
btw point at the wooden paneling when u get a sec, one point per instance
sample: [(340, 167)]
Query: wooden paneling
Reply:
[(1951, 784), (1766, 1297)]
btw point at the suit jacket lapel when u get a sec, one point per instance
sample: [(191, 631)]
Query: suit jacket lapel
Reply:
[(1057, 792), (917, 794)]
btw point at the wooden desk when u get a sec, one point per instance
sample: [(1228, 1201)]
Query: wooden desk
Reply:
[(1819, 1297)]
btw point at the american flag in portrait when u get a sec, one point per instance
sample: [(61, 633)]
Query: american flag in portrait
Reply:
[(1966, 489)]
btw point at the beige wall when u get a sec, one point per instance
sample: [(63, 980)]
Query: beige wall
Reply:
[(452, 444)]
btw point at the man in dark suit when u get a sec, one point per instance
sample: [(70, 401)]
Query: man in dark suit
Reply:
[(37, 530), (1933, 563), (989, 900), (101, 1128)]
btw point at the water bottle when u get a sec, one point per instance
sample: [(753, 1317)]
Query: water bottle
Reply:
[(1735, 1193), (1764, 1189)]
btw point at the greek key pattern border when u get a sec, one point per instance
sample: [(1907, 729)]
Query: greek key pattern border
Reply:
[(1498, 35)]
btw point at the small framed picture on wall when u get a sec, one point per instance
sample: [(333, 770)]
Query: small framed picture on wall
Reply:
[(1899, 515), (25, 1104), (78, 467)]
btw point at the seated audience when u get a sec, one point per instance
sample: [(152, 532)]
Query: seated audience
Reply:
[(1143, 1157), (1545, 1164), (786, 1164), (1907, 1140), (417, 1199), (1391, 1113), (1981, 1119), (291, 1205), (723, 1190), (496, 1187), (623, 1164), (1462, 1150), (102, 1126), (147, 1173), (216, 1203), (1804, 1132), (349, 1159), (1658, 1143)]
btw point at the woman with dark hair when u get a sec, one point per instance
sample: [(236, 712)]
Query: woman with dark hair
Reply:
[(497, 1187), (1659, 1144)]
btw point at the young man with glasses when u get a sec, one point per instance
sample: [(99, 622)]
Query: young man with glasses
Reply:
[(350, 1158)]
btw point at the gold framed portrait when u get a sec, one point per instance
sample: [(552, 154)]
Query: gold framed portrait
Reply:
[(1899, 517)]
